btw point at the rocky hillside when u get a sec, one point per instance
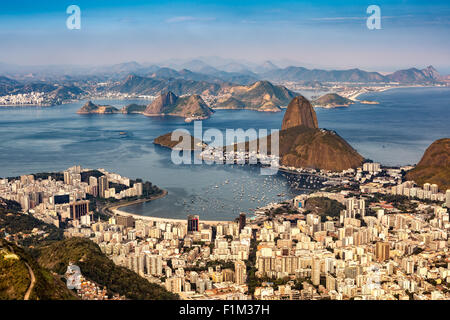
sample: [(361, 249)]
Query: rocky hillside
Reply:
[(260, 96), (133, 108), (299, 113), (317, 148), (188, 141), (434, 167), (303, 144), (169, 104), (332, 100), (414, 75), (91, 108)]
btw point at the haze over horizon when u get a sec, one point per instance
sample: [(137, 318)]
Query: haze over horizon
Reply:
[(325, 34)]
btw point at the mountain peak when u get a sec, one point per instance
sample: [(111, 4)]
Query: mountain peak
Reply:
[(170, 104), (431, 72), (167, 98), (131, 77), (299, 113)]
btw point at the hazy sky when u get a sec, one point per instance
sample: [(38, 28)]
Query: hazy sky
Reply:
[(319, 33)]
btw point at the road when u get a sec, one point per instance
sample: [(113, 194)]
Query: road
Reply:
[(32, 277), (33, 282)]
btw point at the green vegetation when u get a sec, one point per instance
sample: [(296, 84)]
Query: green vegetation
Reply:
[(10, 205), (223, 265), (133, 108), (15, 277), (20, 226), (252, 279), (402, 203), (333, 100), (324, 207), (90, 107), (59, 176), (283, 209), (97, 267), (91, 173)]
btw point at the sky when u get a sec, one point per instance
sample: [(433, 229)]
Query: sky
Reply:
[(323, 34)]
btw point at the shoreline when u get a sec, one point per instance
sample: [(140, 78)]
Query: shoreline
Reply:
[(352, 97), (356, 95), (115, 209), (249, 109)]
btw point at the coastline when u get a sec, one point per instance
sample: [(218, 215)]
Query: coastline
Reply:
[(356, 95), (257, 110), (115, 209)]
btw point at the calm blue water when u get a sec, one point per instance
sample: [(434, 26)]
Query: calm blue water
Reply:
[(399, 129), (395, 132)]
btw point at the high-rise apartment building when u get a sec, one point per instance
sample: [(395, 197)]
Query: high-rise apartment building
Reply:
[(102, 186), (315, 272), (447, 198), (192, 223), (382, 251), (240, 272), (242, 220), (78, 209)]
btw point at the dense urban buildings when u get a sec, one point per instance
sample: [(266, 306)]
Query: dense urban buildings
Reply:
[(388, 239)]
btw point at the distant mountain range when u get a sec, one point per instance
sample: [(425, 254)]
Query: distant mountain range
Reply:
[(213, 70), (235, 86), (139, 85), (10, 87), (413, 75)]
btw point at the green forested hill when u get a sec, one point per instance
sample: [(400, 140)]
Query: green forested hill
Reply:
[(15, 277), (97, 267)]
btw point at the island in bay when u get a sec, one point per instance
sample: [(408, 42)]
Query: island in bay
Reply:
[(179, 141), (332, 100), (166, 104)]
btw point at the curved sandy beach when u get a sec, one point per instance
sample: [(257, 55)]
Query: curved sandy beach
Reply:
[(116, 211)]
